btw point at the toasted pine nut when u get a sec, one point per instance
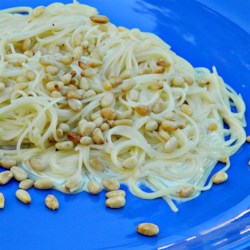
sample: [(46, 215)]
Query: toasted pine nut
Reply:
[(67, 59), (99, 19), (110, 185), (74, 137), (72, 184), (23, 196), (128, 85), (64, 127), (169, 126), (51, 69), (115, 202), (2, 201), (156, 86), (158, 107), (18, 173), (104, 127), (107, 85), (123, 122), (203, 82), (189, 80), (37, 164), (66, 78), (220, 177), (95, 63), (64, 145), (77, 52), (163, 62), (84, 84), (86, 140), (59, 132), (38, 11), (93, 187), (171, 144), (98, 136), (5, 177), (85, 128), (108, 113), (151, 125), (124, 115), (186, 192), (51, 202), (177, 81), (134, 95), (164, 135), (88, 72), (107, 100), (115, 81), (158, 70), (143, 110), (96, 164), (26, 184), (212, 127), (130, 163), (115, 193), (186, 109), (43, 183), (98, 121), (248, 139), (73, 95), (7, 163), (75, 104), (55, 94), (148, 229), (89, 93)]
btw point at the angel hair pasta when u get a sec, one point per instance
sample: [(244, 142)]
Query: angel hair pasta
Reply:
[(84, 100)]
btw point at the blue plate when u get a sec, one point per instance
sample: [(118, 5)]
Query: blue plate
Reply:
[(217, 219)]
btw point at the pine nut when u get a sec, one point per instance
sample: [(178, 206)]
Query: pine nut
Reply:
[(248, 139), (64, 127), (151, 125), (26, 184), (5, 177), (158, 70), (134, 95), (73, 95), (186, 192), (128, 85), (96, 164), (115, 193), (95, 63), (98, 121), (115, 202), (43, 183), (74, 137), (148, 229), (108, 113), (67, 59), (2, 201), (124, 115), (38, 11), (54, 85), (51, 202), (18, 173), (220, 177), (59, 132), (123, 122), (66, 78), (53, 70), (55, 94), (99, 19), (89, 93), (143, 110), (86, 140), (107, 100), (7, 163), (203, 82), (130, 163), (65, 145), (77, 52), (186, 109), (156, 86), (177, 81), (104, 127), (115, 81), (107, 85), (110, 185), (98, 136), (212, 127), (23, 196), (189, 80), (93, 187), (171, 144), (88, 72), (169, 126), (158, 107), (164, 63), (164, 135), (84, 84), (85, 128), (26, 44), (75, 104), (125, 74), (37, 165), (72, 184)]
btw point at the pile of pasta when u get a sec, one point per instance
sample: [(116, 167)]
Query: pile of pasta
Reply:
[(84, 100)]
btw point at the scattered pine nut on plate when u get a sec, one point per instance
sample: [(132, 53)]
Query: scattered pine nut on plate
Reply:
[(148, 229)]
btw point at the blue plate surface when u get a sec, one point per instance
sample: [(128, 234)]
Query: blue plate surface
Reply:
[(217, 219)]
